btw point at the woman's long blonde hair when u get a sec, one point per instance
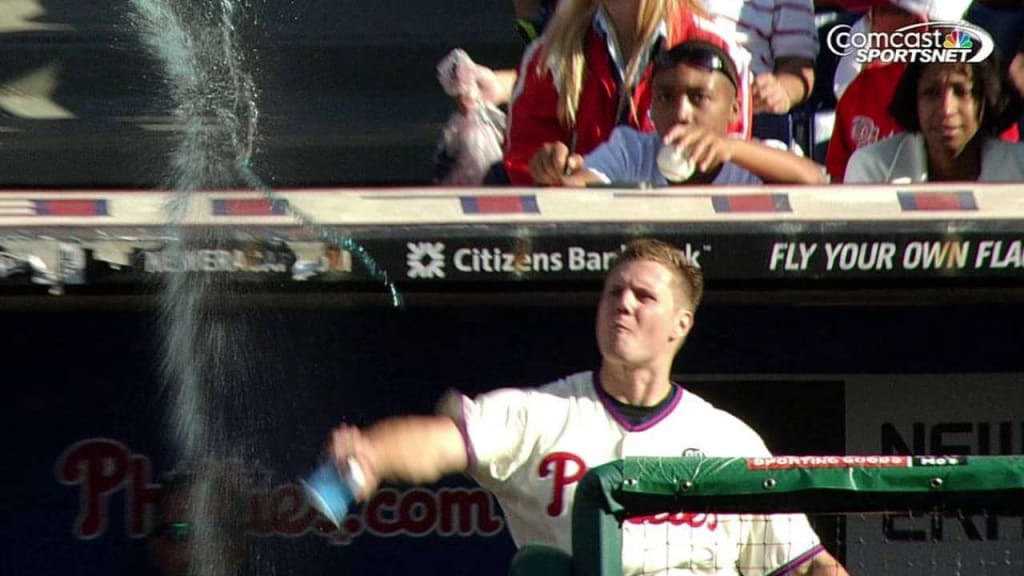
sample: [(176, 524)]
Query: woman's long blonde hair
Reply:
[(564, 45)]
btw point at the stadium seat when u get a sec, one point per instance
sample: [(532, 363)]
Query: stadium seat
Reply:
[(812, 120)]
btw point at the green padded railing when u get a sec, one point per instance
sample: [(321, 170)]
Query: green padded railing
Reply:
[(812, 484)]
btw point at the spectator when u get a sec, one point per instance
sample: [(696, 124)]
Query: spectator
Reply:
[(1002, 19), (861, 114), (783, 44), (590, 72), (780, 36), (464, 152), (952, 115), (693, 103), (532, 17), (1016, 71), (495, 86)]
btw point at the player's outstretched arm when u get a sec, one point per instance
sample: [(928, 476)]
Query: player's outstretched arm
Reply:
[(773, 165), (405, 449)]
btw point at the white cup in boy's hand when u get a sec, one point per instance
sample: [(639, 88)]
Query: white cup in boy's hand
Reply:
[(674, 163)]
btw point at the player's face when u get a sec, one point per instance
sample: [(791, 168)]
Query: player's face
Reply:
[(688, 95), (641, 317), (947, 108)]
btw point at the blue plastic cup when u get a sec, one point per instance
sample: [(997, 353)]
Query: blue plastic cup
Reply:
[(331, 490)]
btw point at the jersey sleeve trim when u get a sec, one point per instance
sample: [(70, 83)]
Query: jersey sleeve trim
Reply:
[(794, 564), (453, 405)]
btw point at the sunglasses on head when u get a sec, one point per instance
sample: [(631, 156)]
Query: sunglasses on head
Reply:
[(696, 56)]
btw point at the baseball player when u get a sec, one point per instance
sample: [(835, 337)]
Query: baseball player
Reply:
[(530, 447)]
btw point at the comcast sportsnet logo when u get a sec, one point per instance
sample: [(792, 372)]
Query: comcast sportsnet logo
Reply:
[(926, 43)]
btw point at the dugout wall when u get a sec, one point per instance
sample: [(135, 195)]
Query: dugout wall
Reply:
[(820, 360)]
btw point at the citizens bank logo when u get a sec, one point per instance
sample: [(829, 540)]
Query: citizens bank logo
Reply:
[(928, 42), (425, 260)]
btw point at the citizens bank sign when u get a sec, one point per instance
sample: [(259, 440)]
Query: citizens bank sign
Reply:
[(438, 260), (928, 42)]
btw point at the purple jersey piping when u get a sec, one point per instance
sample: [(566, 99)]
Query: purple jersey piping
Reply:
[(797, 562), (609, 405)]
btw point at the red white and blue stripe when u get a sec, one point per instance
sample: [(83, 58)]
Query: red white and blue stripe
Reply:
[(956, 201), (249, 207), (517, 204), (14, 207), (751, 203)]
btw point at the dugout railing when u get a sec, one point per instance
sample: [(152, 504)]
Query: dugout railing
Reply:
[(871, 489), (766, 242)]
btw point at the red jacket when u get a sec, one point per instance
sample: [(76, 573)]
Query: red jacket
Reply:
[(533, 110), (862, 116)]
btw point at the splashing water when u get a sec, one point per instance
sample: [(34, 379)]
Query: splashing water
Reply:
[(196, 43), (207, 363), (205, 360), (213, 96)]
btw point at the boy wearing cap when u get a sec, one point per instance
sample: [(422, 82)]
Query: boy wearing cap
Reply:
[(694, 100)]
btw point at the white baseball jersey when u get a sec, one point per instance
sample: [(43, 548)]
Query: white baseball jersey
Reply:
[(530, 447)]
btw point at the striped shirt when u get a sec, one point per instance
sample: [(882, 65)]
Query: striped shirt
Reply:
[(769, 29)]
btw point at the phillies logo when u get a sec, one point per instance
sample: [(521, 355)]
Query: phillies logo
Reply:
[(863, 131), (102, 468), (566, 469)]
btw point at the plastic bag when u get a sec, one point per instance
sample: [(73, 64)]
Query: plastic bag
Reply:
[(471, 141)]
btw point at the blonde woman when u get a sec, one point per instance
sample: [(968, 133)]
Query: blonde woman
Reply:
[(589, 72)]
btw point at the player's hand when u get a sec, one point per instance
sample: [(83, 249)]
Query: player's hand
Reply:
[(769, 95), (347, 443), (705, 149), (553, 162)]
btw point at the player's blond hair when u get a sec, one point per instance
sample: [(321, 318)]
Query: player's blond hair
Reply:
[(685, 271), (564, 46)]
